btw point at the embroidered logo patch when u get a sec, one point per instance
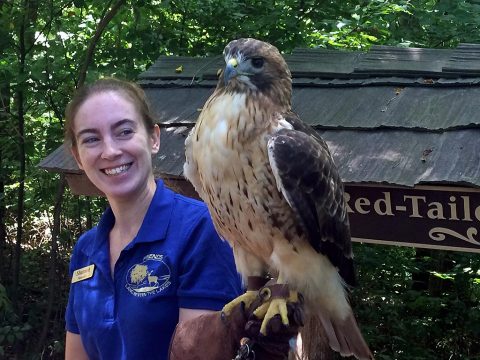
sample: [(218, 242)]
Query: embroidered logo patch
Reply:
[(149, 277)]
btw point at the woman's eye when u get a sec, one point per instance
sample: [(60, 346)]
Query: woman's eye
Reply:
[(89, 140), (126, 132), (257, 62)]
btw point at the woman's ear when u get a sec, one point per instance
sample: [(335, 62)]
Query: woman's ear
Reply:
[(155, 135)]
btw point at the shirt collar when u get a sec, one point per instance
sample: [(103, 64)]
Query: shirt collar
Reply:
[(158, 216), (154, 226)]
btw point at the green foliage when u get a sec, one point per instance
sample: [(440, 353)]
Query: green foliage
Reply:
[(412, 304), (11, 329), (407, 316)]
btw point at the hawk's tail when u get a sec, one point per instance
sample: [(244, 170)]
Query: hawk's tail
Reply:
[(343, 336), (313, 341)]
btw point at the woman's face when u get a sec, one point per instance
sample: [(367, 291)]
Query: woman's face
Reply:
[(113, 146)]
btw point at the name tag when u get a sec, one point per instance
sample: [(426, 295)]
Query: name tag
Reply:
[(83, 273)]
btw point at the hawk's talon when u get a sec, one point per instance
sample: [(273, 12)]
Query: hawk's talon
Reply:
[(294, 297), (265, 294), (261, 311), (247, 299), (275, 306)]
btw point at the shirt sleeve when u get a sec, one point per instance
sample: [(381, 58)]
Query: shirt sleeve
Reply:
[(70, 320), (208, 277)]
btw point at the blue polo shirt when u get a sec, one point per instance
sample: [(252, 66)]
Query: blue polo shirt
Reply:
[(176, 261)]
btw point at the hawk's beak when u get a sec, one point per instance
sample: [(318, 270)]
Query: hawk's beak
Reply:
[(230, 70)]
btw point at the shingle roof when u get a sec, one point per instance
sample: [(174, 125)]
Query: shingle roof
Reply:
[(392, 115)]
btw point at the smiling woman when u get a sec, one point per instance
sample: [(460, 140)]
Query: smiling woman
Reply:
[(154, 259), (114, 147)]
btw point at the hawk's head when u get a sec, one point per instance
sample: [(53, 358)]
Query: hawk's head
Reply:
[(256, 66)]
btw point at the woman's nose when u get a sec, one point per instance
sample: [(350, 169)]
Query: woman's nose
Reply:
[(110, 149)]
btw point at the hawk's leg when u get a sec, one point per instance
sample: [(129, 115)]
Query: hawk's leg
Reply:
[(255, 283), (279, 296)]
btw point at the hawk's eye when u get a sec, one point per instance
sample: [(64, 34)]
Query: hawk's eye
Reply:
[(257, 62)]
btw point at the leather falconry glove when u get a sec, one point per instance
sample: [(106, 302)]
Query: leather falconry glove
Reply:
[(218, 337)]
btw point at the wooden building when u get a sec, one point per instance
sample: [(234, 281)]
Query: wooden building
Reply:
[(403, 126)]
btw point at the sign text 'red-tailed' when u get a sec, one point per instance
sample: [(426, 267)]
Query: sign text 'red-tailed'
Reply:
[(442, 218)]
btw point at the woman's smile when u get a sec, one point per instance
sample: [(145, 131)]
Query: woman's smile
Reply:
[(117, 170)]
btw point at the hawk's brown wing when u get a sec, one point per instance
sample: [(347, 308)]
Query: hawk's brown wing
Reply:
[(306, 175)]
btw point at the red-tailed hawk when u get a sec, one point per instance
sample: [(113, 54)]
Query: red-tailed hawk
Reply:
[(273, 190)]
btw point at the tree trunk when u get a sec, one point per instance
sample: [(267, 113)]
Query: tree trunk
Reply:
[(89, 214), (78, 220), (4, 110), (53, 263), (20, 104), (3, 233), (420, 275)]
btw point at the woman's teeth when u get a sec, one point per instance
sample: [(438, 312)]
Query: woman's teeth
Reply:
[(117, 170)]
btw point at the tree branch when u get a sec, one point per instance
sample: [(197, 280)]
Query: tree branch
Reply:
[(94, 41)]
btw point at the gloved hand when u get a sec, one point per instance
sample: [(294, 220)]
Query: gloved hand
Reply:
[(209, 336), (217, 337), (277, 343)]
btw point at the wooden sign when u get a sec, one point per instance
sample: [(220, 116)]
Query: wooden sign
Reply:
[(430, 217)]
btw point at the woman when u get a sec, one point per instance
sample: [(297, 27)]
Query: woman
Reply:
[(154, 259)]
